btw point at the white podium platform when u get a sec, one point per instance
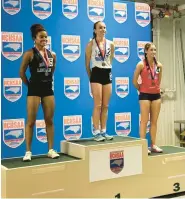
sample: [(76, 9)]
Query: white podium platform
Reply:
[(89, 169)]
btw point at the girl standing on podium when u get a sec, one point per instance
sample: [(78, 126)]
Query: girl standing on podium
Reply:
[(42, 65), (150, 71), (100, 52)]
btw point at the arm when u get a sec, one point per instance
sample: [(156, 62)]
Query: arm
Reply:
[(24, 65), (88, 53), (159, 65), (137, 72), (112, 52), (54, 62)]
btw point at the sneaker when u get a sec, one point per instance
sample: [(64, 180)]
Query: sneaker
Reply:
[(99, 138), (53, 154), (156, 149), (27, 157), (106, 136), (149, 152)]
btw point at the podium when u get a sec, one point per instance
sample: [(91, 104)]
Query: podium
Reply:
[(119, 168)]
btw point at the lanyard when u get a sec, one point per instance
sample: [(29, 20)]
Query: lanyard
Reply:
[(102, 56), (45, 58)]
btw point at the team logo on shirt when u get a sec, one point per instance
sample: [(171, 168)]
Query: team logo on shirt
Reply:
[(122, 86), (140, 49), (12, 45), (13, 132), (48, 45), (122, 49), (123, 123), (70, 8), (71, 48), (41, 131), (12, 88), (142, 14), (96, 10), (72, 87), (12, 7), (72, 127), (42, 8), (120, 11), (148, 124), (116, 161)]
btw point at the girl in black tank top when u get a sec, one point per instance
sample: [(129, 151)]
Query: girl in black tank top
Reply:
[(42, 64)]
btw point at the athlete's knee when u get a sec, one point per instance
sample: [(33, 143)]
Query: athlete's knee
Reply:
[(31, 123), (48, 121), (98, 106), (105, 107), (144, 122)]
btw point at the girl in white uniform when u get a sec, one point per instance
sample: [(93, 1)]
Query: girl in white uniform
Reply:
[(100, 52)]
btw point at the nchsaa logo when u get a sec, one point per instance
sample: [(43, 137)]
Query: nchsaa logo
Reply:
[(12, 88), (122, 49), (12, 7), (12, 45), (142, 14), (140, 49), (123, 123), (13, 132), (70, 8), (72, 87), (120, 12), (42, 8), (96, 10), (41, 134), (122, 86), (71, 48), (72, 127)]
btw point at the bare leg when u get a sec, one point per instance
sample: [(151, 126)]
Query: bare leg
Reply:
[(33, 103)]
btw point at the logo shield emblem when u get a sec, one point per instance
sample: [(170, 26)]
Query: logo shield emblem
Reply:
[(12, 7), (120, 12), (123, 123), (140, 49), (41, 131), (70, 9), (96, 10), (12, 45), (42, 8), (71, 48), (12, 89), (122, 86), (142, 14), (116, 161), (13, 132), (72, 127), (122, 49), (72, 87)]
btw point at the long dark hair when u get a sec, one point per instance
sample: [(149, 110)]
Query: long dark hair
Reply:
[(35, 28), (147, 46), (94, 27)]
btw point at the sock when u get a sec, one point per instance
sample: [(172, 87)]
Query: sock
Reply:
[(97, 131), (103, 131)]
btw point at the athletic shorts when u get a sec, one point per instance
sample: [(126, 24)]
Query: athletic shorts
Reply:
[(42, 89), (149, 96), (101, 75)]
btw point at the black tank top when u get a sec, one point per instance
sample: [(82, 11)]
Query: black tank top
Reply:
[(38, 70)]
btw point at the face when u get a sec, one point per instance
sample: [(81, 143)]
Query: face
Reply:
[(151, 52), (100, 29), (41, 38)]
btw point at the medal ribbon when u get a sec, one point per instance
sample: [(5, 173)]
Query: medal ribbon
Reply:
[(45, 58), (102, 52)]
